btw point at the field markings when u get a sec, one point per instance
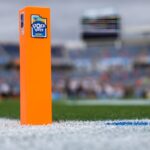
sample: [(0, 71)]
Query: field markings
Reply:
[(106, 102), (66, 135)]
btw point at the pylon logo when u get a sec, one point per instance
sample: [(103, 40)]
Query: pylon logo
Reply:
[(39, 26)]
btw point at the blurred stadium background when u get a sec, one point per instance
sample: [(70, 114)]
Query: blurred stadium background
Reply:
[(98, 52), (108, 61)]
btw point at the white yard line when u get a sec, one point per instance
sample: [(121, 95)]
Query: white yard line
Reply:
[(110, 102), (74, 135)]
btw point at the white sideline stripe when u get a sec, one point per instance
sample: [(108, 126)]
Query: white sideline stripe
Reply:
[(74, 135), (124, 102)]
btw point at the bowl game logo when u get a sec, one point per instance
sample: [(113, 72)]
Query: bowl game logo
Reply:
[(39, 26)]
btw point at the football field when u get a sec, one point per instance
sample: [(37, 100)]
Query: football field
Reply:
[(77, 126), (82, 111)]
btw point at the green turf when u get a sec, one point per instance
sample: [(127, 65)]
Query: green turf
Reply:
[(9, 108), (62, 111)]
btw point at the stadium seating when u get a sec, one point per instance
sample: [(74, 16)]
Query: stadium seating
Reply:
[(106, 69)]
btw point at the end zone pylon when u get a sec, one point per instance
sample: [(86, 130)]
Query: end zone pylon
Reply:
[(35, 66)]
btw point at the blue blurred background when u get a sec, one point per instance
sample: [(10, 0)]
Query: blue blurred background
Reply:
[(100, 49)]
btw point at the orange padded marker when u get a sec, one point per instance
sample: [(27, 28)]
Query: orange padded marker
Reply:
[(35, 66)]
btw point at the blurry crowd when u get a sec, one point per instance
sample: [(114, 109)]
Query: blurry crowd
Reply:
[(9, 83), (107, 85), (97, 73), (101, 88), (87, 88)]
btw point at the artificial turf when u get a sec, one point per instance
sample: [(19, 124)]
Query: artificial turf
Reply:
[(63, 111)]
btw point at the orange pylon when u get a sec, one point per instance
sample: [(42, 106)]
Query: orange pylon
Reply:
[(35, 66)]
